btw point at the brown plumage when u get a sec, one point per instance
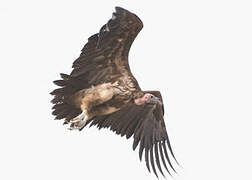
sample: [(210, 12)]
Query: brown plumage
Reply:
[(102, 91)]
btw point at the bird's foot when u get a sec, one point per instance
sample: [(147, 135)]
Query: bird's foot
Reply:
[(79, 118), (77, 125), (79, 122)]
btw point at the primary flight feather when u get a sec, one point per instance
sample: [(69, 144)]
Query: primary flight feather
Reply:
[(102, 91)]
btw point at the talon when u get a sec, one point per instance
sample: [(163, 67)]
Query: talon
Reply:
[(79, 117), (79, 122), (77, 126), (74, 120)]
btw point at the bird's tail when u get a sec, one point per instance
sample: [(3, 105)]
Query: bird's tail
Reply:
[(63, 108)]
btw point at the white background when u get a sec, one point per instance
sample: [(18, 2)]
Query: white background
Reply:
[(197, 53)]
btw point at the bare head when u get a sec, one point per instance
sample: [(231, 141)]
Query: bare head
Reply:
[(147, 99)]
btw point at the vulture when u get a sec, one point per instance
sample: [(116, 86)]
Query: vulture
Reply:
[(102, 91)]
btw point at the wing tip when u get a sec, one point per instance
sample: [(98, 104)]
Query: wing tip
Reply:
[(124, 12), (120, 9)]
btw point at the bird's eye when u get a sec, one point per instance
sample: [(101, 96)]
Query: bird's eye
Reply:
[(151, 96)]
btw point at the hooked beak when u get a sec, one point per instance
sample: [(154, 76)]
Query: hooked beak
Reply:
[(154, 100)]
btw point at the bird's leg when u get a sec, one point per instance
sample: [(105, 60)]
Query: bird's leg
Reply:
[(89, 101), (79, 117), (79, 121)]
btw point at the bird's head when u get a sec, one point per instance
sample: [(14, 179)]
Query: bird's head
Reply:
[(147, 99)]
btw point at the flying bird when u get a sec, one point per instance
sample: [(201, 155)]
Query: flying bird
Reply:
[(102, 91)]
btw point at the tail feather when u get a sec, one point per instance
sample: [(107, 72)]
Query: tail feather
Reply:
[(64, 76), (74, 113), (56, 99), (60, 83), (63, 107), (63, 114), (59, 91), (59, 106)]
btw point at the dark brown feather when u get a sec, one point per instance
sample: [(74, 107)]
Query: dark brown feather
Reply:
[(152, 161), (162, 156), (167, 157), (157, 158), (60, 82), (64, 76), (146, 153)]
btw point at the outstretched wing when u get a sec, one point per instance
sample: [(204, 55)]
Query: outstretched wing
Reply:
[(103, 59), (105, 56), (147, 124)]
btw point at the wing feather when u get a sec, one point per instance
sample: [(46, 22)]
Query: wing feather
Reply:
[(147, 124), (146, 153), (167, 157), (141, 148), (152, 161), (162, 156), (157, 158)]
